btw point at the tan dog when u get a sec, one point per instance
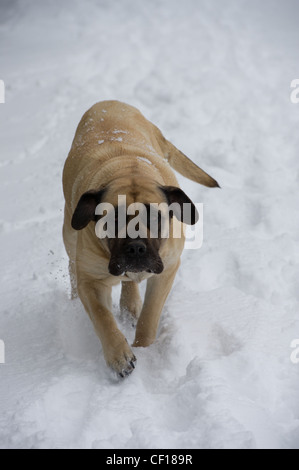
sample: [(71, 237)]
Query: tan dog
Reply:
[(116, 151)]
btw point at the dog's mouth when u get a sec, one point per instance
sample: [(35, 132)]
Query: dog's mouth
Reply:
[(135, 256), (118, 267)]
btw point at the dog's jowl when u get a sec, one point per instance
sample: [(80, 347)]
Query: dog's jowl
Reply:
[(118, 184)]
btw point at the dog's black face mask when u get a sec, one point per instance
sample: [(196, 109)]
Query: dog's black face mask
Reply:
[(135, 240), (134, 256)]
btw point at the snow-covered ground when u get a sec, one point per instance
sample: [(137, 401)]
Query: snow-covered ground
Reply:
[(215, 77)]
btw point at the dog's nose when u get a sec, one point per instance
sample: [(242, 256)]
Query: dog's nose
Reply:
[(136, 248)]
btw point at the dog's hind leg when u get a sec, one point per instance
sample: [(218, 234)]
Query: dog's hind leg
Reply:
[(157, 290), (130, 300)]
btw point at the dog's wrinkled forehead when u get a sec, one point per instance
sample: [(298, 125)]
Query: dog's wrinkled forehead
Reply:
[(141, 191)]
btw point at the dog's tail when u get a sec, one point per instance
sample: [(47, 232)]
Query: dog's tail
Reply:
[(182, 164)]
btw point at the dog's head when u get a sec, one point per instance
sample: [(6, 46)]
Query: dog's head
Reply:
[(133, 220)]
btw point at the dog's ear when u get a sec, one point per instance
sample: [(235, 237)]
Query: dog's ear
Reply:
[(180, 205), (85, 210)]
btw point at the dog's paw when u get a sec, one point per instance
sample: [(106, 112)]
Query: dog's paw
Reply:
[(130, 315), (142, 340), (121, 359), (132, 309), (128, 369)]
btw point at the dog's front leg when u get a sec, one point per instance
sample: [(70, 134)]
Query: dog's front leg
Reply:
[(96, 298), (157, 290)]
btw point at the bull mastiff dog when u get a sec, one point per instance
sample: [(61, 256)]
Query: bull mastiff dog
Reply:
[(116, 152)]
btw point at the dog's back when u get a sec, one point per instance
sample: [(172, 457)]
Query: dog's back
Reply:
[(111, 129)]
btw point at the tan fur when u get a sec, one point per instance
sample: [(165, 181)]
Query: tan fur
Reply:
[(116, 148)]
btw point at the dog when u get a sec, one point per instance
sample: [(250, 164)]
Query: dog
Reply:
[(117, 151)]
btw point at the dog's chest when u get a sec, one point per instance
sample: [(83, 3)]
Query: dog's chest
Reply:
[(137, 277)]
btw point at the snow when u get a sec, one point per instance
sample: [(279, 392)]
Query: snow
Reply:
[(146, 160), (216, 78)]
